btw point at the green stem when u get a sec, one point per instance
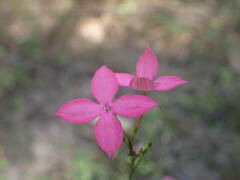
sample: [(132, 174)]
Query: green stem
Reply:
[(128, 142), (142, 153), (132, 169), (136, 128), (136, 157), (138, 123)]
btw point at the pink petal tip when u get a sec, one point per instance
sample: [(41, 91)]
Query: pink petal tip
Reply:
[(109, 134), (104, 85), (79, 111), (147, 65), (133, 106), (124, 79), (165, 83)]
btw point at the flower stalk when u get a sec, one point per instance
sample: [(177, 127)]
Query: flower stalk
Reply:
[(136, 156)]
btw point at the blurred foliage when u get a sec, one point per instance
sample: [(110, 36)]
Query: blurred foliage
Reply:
[(31, 46), (86, 168), (127, 7), (3, 168)]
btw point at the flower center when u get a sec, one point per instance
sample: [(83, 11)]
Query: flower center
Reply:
[(141, 83), (106, 107)]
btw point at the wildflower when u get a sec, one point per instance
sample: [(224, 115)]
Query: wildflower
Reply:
[(108, 130), (146, 70)]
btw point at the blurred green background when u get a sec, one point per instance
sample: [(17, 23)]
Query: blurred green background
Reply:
[(49, 50)]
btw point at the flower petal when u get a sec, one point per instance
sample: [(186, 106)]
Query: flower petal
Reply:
[(133, 105), (79, 111), (104, 85), (147, 65), (164, 83), (124, 79), (109, 134)]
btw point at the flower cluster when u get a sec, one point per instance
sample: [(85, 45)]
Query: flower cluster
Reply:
[(104, 87)]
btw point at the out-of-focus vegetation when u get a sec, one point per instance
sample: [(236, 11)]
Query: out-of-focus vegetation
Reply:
[(49, 49)]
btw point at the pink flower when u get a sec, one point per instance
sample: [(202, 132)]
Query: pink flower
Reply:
[(146, 70), (108, 130)]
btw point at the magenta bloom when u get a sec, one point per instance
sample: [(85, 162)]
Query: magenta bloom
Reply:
[(108, 130), (146, 70)]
